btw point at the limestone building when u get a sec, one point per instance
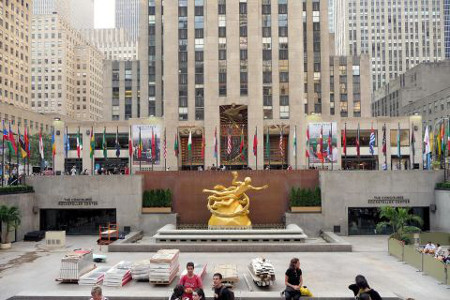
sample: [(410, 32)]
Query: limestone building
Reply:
[(127, 17), (397, 35), (15, 53), (79, 13), (66, 72)]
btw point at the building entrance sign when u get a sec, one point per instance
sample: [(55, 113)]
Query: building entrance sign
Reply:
[(388, 200), (77, 202)]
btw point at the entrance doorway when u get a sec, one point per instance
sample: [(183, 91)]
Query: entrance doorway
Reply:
[(233, 136), (76, 221)]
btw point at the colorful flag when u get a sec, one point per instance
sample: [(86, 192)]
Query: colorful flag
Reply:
[(307, 142), (358, 152), (255, 142), (281, 146), (5, 132), (153, 145), (92, 144), (27, 143), (176, 149), (41, 145), (12, 141), (140, 148), (215, 144), (104, 144), (241, 144), (399, 152), (344, 140), (295, 141), (229, 145), (53, 144), (66, 143), (23, 147), (443, 138), (384, 140), (165, 144), (190, 143), (330, 144), (372, 141), (130, 144), (117, 142), (203, 146), (319, 147), (426, 140), (79, 143)]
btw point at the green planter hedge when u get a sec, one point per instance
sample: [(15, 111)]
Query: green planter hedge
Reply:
[(157, 198), (305, 197), (443, 186), (16, 189)]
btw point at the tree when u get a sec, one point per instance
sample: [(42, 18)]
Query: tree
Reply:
[(11, 217), (35, 155), (399, 219)]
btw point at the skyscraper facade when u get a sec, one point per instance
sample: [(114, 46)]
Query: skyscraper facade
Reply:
[(397, 34), (447, 28), (79, 13), (127, 16)]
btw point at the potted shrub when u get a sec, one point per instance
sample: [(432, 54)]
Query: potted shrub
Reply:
[(436, 165), (400, 221), (306, 200), (157, 201), (10, 217)]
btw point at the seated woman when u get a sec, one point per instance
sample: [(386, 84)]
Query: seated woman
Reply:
[(293, 280)]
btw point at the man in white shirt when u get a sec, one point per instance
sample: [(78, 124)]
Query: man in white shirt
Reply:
[(429, 248)]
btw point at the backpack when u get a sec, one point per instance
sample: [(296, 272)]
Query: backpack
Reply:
[(229, 291)]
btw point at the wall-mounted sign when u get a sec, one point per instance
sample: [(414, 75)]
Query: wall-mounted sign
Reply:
[(77, 202), (388, 200)]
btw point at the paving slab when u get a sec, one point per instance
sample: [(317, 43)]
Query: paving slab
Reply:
[(326, 274)]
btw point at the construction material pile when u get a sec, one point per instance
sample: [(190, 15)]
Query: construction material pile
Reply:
[(75, 264), (119, 275), (140, 270), (262, 271), (94, 277), (229, 274), (164, 266)]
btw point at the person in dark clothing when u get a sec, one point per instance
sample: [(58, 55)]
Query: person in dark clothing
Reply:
[(293, 280), (221, 292), (177, 292), (360, 288)]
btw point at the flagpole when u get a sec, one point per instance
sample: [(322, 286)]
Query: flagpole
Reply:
[(178, 150), (17, 152), (295, 148), (331, 144), (412, 145), (28, 152), (10, 157), (345, 152), (130, 158), (165, 150), (268, 145), (217, 149), (3, 154), (256, 133)]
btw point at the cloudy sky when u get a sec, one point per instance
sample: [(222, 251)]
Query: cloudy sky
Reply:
[(104, 13)]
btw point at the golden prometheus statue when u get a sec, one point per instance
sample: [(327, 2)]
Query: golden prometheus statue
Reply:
[(229, 205)]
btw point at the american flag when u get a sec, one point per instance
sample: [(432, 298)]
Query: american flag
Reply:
[(229, 146), (372, 141), (281, 143)]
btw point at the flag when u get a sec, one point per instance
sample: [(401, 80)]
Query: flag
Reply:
[(255, 142), (268, 144), (399, 152), (229, 146), (41, 145), (281, 143), (384, 140), (165, 144), (372, 141), (190, 143), (443, 138), (358, 152), (344, 140), (153, 145), (12, 141), (27, 143), (66, 143), (295, 141), (104, 144), (23, 147), (53, 144), (5, 133), (413, 141), (319, 147), (176, 149), (203, 146), (330, 144), (426, 140), (79, 143), (439, 140), (448, 137), (215, 144), (139, 152), (307, 142), (241, 144), (130, 144), (92, 144), (117, 142)]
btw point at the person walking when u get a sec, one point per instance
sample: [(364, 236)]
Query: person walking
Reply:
[(293, 280)]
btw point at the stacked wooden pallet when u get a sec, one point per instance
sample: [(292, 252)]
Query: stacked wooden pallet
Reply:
[(262, 271), (119, 275), (229, 274), (94, 277), (140, 270), (164, 266), (75, 264)]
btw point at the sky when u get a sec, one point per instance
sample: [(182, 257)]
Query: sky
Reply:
[(104, 14)]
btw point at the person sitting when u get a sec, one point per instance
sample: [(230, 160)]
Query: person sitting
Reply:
[(439, 251), (178, 291), (429, 248), (190, 281), (198, 294), (361, 287), (293, 280), (97, 294)]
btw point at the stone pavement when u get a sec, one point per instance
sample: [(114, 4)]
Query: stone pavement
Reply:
[(26, 269)]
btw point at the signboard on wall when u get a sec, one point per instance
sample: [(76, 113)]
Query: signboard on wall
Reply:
[(316, 156), (148, 133)]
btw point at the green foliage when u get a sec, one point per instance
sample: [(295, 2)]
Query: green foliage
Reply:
[(14, 189), (157, 198), (305, 197), (10, 216), (34, 143), (399, 219), (443, 186)]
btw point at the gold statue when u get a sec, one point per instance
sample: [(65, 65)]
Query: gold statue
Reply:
[(229, 205)]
